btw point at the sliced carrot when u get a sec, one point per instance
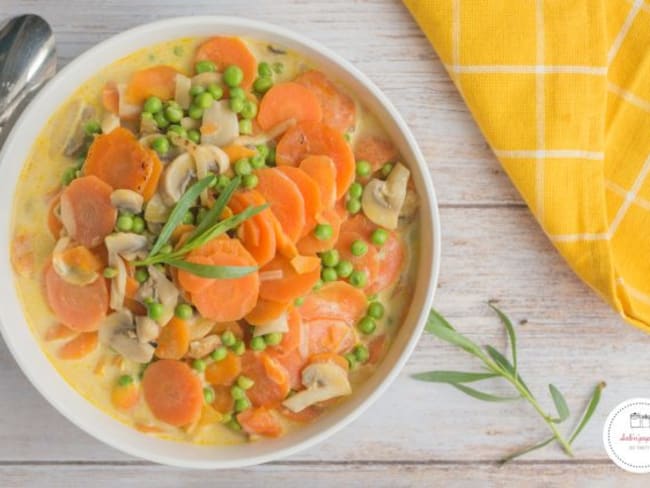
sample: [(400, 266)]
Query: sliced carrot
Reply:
[(265, 311), (271, 379), (305, 264), (111, 97), (310, 244), (375, 150), (118, 159), (306, 415), (291, 286), (286, 101), (181, 232), (329, 336), (132, 287), (134, 306), (156, 81), (223, 244), (224, 372), (54, 224), (376, 348), (86, 210), (82, 308), (173, 392), (258, 232), (292, 338), (194, 283), (293, 362), (323, 172), (125, 397), (310, 193), (284, 245), (80, 257), (234, 327), (328, 357), (223, 400), (236, 152), (390, 261), (260, 421), (79, 347), (285, 200), (359, 224), (338, 109), (307, 138), (226, 51), (337, 300), (367, 263), (174, 339), (58, 331)]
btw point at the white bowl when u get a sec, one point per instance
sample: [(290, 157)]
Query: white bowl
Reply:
[(44, 377)]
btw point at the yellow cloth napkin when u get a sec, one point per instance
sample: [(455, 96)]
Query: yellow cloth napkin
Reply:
[(561, 91)]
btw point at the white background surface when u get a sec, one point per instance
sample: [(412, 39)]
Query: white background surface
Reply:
[(416, 434)]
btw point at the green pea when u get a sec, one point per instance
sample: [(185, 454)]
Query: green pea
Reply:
[(199, 365), (204, 100), (222, 182), (238, 93), (110, 272), (166, 249), (228, 338), (195, 112), (323, 232), (264, 69), (273, 339), (257, 161), (245, 382), (359, 248), (358, 278), (200, 215), (196, 90), (344, 269), (226, 417), (262, 84), (233, 424), (318, 285), (249, 111), (183, 311), (367, 325), (330, 258), (258, 343), (160, 120), (160, 145), (68, 176), (125, 380), (249, 181), (328, 274), (352, 359), (206, 66), (361, 353), (236, 105), (278, 67), (174, 114), (153, 105), (245, 127), (299, 301), (215, 90), (355, 191), (208, 395), (237, 392), (233, 76), (353, 206), (177, 129), (364, 168), (219, 353), (155, 311), (263, 151), (138, 225), (188, 218), (243, 167), (375, 310), (141, 275), (386, 169), (239, 348), (242, 404), (194, 135), (92, 127), (124, 223)]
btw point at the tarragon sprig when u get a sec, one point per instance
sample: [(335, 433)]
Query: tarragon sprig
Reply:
[(498, 366)]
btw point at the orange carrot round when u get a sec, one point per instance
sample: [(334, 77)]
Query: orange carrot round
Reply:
[(79, 347), (173, 392), (290, 339), (308, 138), (290, 286), (174, 339), (257, 233), (293, 362), (337, 300), (390, 261), (57, 332), (286, 101), (260, 421), (157, 81), (271, 379), (310, 244), (329, 336), (223, 400), (224, 372), (323, 171), (86, 210), (285, 200), (194, 283), (310, 193), (265, 311), (375, 150), (226, 51)]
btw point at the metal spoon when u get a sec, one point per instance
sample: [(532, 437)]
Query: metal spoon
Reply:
[(27, 61)]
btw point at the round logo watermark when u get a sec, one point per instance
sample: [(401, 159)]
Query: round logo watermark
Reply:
[(627, 435)]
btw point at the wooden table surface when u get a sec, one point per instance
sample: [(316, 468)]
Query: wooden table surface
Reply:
[(416, 434)]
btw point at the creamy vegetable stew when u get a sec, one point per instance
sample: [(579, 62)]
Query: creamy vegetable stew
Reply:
[(213, 241)]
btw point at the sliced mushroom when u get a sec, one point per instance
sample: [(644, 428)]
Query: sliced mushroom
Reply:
[(323, 381), (263, 138), (223, 123), (118, 283), (118, 332), (148, 126), (70, 273), (202, 347), (126, 244), (69, 136), (110, 121), (146, 329), (382, 200), (190, 123), (156, 212), (165, 292), (206, 79), (125, 109), (209, 159), (200, 328), (175, 179), (410, 205), (128, 200), (182, 91), (277, 325)]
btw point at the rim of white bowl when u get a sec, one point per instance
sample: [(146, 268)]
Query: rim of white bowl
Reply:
[(81, 412)]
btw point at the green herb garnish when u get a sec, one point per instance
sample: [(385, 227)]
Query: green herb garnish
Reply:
[(498, 366)]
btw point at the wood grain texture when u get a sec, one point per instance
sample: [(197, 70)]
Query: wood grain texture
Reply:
[(416, 434)]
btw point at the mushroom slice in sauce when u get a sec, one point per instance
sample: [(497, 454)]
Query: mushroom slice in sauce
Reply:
[(128, 200), (156, 212), (263, 138), (182, 91), (161, 289), (202, 347), (206, 79), (146, 329), (175, 179), (126, 244), (220, 126), (323, 381), (118, 331), (382, 200), (68, 136)]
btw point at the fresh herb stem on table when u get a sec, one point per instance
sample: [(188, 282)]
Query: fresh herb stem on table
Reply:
[(498, 366)]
